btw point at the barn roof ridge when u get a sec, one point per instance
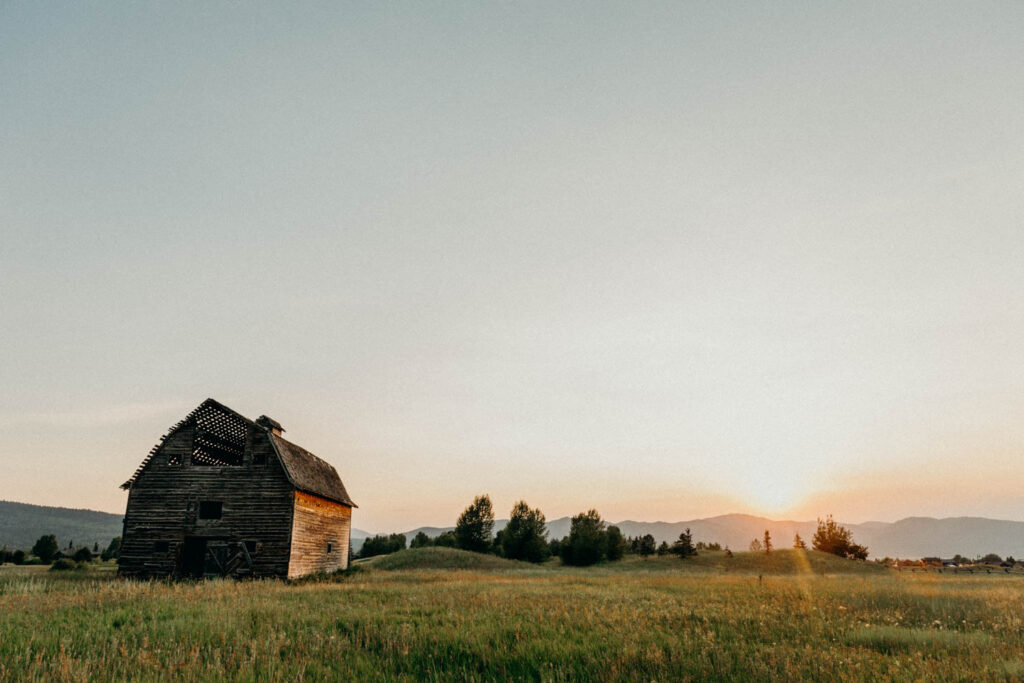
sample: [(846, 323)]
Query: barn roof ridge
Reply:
[(305, 470)]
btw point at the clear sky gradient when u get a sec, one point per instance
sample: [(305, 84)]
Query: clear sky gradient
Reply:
[(665, 260)]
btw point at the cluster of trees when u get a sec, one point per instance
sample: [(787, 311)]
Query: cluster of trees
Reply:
[(590, 541), (763, 544), (45, 551), (382, 545), (590, 538), (830, 537), (683, 546), (525, 538), (443, 540), (12, 556)]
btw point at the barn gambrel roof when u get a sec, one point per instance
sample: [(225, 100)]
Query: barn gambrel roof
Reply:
[(305, 471)]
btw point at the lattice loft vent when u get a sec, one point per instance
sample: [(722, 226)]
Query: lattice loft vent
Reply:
[(219, 439)]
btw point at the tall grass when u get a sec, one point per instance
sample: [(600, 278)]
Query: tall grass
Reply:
[(673, 621)]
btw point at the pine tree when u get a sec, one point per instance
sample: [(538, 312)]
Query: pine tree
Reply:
[(767, 543), (799, 543), (683, 547)]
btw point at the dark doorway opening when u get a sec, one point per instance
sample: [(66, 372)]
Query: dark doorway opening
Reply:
[(193, 557)]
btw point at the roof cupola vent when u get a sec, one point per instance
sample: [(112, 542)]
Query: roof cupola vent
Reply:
[(270, 423)]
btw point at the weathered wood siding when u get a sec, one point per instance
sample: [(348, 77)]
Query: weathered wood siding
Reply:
[(317, 522), (163, 506)]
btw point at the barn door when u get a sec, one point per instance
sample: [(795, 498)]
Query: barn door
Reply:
[(214, 557), (193, 558)]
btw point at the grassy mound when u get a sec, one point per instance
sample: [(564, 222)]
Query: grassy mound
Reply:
[(444, 558)]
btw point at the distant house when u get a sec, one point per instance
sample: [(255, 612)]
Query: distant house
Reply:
[(71, 552), (222, 495)]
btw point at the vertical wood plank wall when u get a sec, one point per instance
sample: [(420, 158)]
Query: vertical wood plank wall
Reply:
[(317, 522)]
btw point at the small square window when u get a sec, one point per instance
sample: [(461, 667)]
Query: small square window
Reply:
[(210, 509), (251, 546), (161, 546)]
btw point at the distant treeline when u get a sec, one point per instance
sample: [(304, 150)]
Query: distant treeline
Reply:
[(46, 550), (590, 540)]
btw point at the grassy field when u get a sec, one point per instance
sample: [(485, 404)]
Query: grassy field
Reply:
[(442, 614)]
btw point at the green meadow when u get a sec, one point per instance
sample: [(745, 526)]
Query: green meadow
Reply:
[(442, 614)]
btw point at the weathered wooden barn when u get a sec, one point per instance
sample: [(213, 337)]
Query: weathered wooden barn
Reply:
[(222, 495)]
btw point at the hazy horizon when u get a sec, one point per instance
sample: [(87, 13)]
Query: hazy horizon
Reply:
[(661, 260)]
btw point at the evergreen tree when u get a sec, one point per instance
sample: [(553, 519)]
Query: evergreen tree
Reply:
[(475, 524), (799, 543), (767, 543), (683, 547)]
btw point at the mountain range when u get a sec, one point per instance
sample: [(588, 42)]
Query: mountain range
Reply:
[(909, 538), (21, 524)]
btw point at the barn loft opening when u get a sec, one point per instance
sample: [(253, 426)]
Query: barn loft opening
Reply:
[(210, 509), (219, 438)]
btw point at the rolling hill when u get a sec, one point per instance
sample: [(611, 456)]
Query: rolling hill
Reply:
[(21, 524)]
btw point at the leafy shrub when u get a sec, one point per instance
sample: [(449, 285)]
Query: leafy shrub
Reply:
[(63, 564)]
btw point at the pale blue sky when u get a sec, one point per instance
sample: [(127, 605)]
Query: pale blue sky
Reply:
[(668, 260)]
